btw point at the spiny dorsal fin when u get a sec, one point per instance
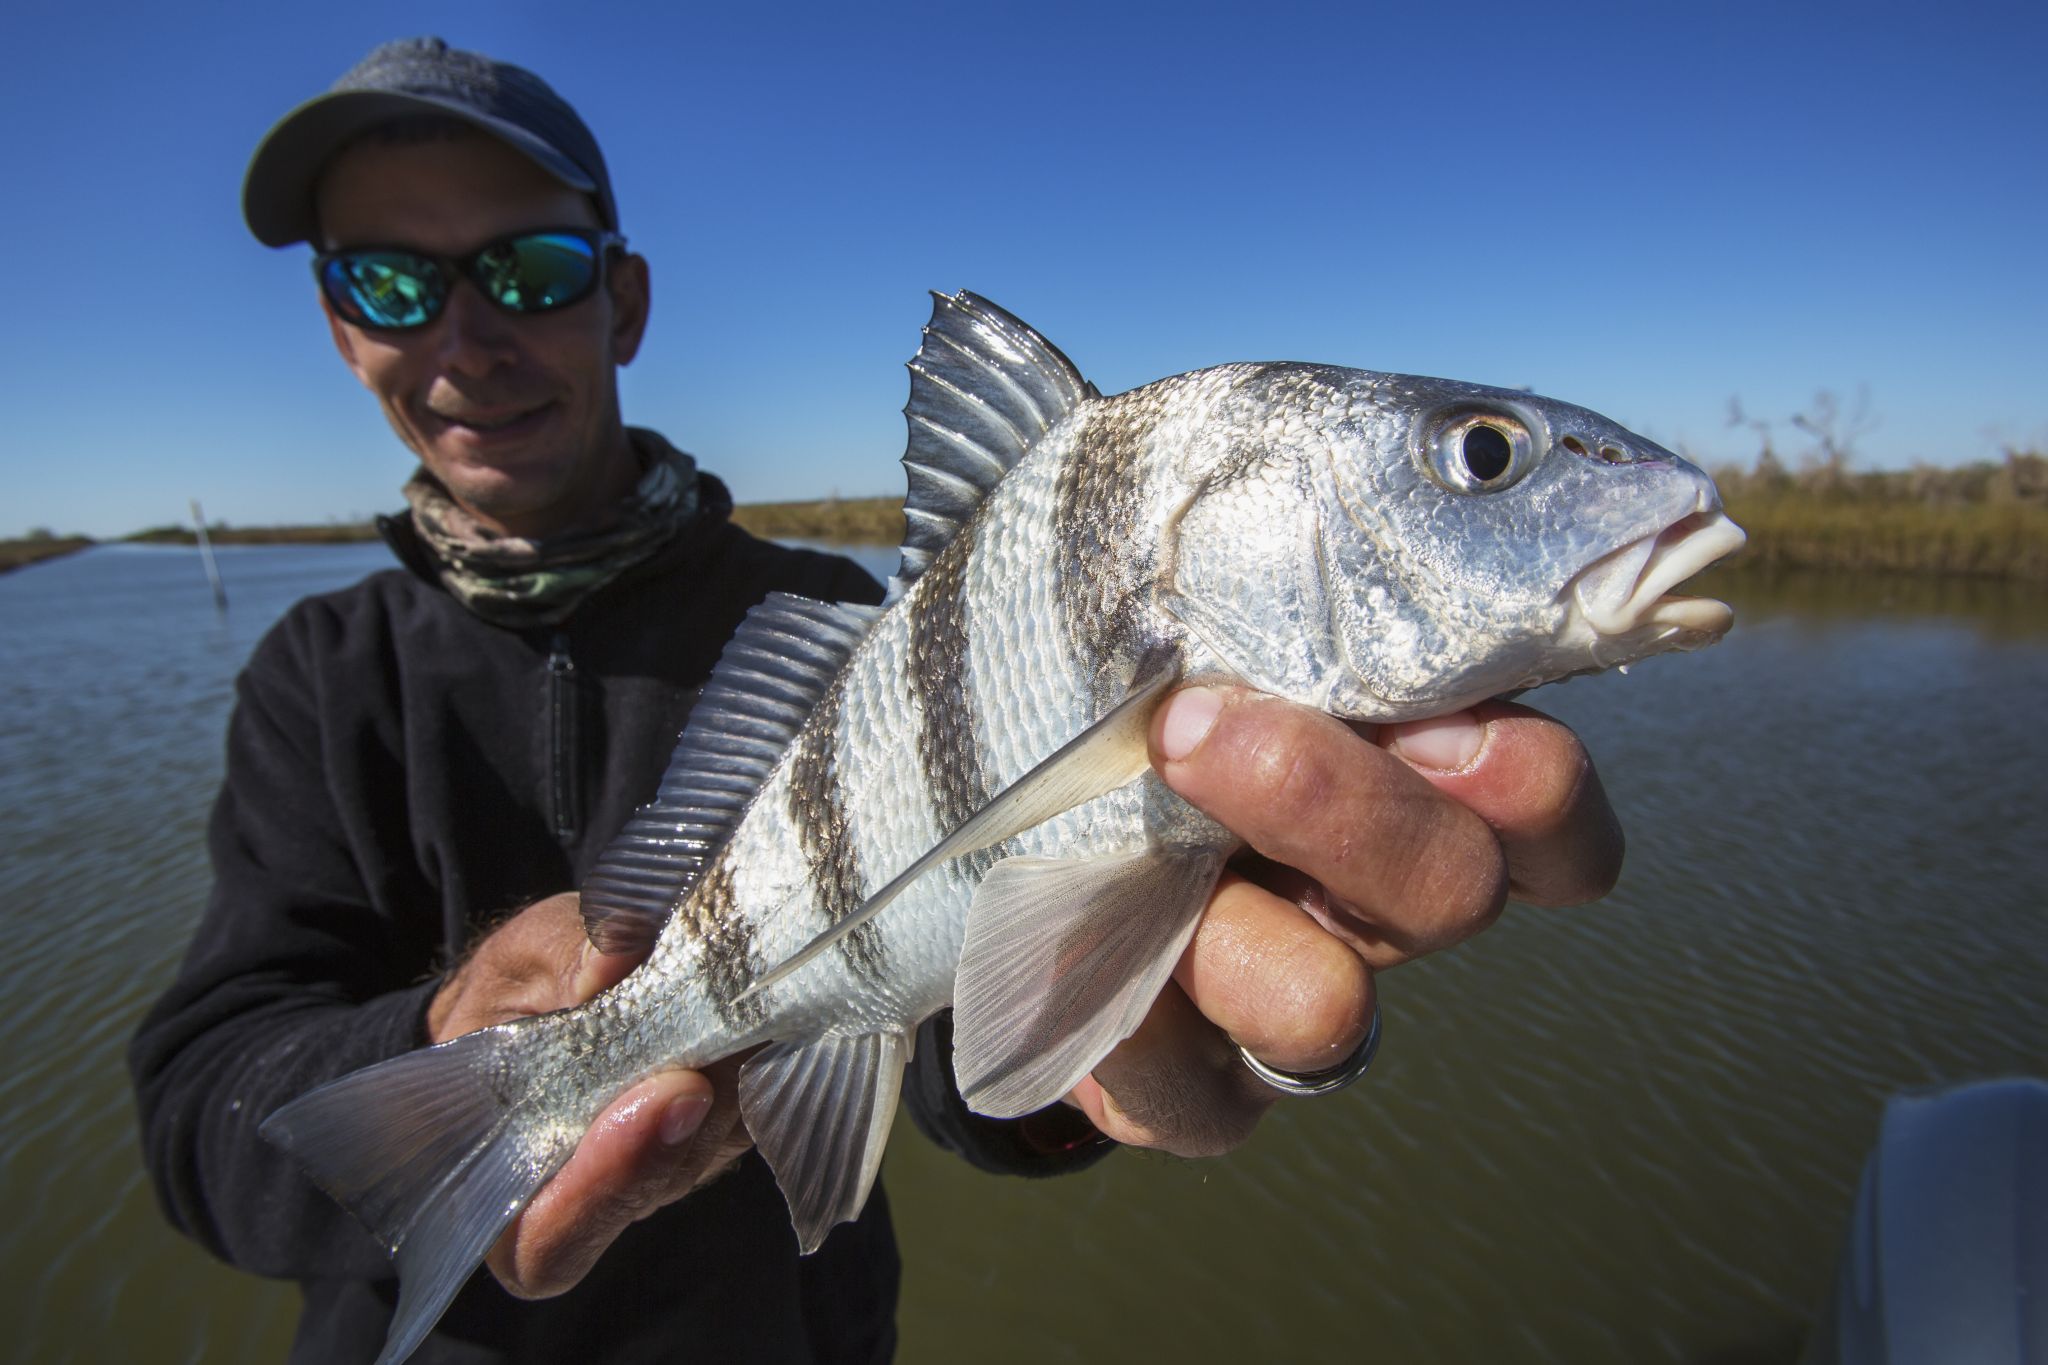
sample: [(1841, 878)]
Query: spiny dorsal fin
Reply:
[(983, 388), (784, 656)]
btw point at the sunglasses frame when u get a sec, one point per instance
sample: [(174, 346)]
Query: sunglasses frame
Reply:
[(601, 241)]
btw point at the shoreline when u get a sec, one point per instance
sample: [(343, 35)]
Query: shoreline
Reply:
[(1789, 529), (19, 554)]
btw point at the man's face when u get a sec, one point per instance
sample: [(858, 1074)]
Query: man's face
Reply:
[(517, 415)]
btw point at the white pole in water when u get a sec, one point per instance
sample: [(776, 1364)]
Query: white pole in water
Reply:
[(220, 594)]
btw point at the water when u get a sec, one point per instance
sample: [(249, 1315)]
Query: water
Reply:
[(1624, 1133)]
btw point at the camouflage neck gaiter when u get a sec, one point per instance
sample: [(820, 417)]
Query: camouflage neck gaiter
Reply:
[(526, 583)]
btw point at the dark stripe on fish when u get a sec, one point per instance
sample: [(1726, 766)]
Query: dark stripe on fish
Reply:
[(728, 968), (938, 678), (818, 810), (946, 745), (1102, 559)]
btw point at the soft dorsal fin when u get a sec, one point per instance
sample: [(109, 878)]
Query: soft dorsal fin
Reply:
[(784, 656), (983, 388)]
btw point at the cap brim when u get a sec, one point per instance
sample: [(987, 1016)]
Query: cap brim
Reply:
[(277, 193)]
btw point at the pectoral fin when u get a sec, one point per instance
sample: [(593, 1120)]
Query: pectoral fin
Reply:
[(1062, 960), (820, 1113)]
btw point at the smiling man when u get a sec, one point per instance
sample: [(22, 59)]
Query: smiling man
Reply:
[(511, 401), (423, 766)]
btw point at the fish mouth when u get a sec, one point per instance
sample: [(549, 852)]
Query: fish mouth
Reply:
[(1626, 598)]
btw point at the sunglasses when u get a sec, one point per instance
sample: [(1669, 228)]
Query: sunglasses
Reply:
[(394, 289)]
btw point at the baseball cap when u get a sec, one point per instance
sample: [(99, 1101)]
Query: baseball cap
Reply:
[(408, 77)]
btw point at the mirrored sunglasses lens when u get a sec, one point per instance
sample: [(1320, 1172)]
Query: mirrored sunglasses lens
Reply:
[(535, 273), (385, 288)]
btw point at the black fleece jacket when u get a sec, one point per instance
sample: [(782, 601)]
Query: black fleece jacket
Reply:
[(400, 776)]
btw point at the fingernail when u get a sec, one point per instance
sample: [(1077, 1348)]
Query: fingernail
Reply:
[(1189, 716), (1444, 745), (683, 1117)]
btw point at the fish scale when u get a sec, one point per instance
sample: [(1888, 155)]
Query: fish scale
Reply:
[(873, 816)]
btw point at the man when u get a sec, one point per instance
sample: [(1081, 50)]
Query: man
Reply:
[(414, 758)]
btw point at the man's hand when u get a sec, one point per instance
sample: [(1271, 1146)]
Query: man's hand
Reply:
[(1371, 851), (656, 1143)]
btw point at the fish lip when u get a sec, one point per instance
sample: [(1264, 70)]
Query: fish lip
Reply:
[(1629, 590)]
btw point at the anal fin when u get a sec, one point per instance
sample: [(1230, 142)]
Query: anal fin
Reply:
[(820, 1113), (1063, 958)]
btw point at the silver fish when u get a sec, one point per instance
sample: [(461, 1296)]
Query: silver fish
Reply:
[(875, 814)]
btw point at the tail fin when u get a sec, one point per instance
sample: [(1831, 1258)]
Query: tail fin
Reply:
[(427, 1150)]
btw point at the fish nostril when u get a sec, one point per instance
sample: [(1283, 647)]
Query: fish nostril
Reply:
[(1609, 452)]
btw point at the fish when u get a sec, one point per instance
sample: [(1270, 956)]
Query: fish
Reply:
[(877, 813)]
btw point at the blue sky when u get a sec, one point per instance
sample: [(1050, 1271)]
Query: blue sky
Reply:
[(1645, 209)]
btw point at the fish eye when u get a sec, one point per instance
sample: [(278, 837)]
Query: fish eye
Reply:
[(1487, 453), (1480, 452)]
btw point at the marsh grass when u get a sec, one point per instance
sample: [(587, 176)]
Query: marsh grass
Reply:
[(1982, 520), (840, 521), (1992, 540)]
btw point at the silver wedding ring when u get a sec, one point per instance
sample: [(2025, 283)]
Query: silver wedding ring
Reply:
[(1323, 1082)]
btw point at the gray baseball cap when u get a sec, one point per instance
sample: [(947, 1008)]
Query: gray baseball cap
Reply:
[(408, 77)]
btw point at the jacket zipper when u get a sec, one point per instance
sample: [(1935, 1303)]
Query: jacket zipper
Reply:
[(562, 738)]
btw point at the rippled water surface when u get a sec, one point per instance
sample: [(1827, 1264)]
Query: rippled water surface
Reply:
[(1616, 1134)]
